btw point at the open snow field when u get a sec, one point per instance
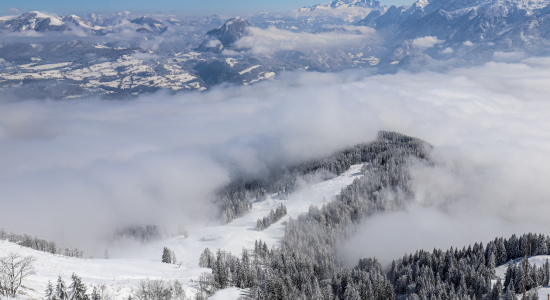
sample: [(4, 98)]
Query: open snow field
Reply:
[(144, 261)]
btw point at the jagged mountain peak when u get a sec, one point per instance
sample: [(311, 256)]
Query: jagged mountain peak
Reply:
[(235, 23), (231, 31)]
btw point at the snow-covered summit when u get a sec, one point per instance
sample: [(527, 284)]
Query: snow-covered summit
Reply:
[(339, 4), (33, 20)]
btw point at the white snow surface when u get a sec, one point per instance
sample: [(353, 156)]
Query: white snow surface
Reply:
[(249, 69), (229, 293), (144, 261)]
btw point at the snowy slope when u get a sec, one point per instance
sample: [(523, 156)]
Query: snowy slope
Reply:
[(538, 261), (242, 232), (120, 275)]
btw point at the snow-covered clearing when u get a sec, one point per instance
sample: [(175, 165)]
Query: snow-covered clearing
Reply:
[(538, 261), (144, 261)]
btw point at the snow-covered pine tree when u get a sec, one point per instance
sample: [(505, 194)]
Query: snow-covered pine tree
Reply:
[(49, 291), (95, 294), (510, 273), (78, 289), (206, 259), (61, 289), (173, 258), (166, 255), (546, 279), (502, 255), (510, 291), (496, 292)]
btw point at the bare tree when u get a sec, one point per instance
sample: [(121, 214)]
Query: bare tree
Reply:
[(14, 268), (153, 290), (104, 293), (178, 292)]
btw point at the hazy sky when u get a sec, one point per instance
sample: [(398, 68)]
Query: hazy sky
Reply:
[(164, 6)]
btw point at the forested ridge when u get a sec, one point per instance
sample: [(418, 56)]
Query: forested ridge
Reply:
[(308, 265), (234, 200)]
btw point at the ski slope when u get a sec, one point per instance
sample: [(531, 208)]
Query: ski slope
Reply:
[(144, 261)]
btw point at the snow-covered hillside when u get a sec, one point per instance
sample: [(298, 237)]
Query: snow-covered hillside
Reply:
[(121, 274)]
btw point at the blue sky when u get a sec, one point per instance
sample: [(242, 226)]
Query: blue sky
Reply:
[(191, 7)]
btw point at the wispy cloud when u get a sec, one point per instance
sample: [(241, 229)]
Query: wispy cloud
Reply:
[(270, 40)]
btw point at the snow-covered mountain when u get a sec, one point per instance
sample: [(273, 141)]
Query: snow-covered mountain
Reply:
[(231, 31), (340, 4), (222, 37), (465, 27), (33, 20), (144, 53)]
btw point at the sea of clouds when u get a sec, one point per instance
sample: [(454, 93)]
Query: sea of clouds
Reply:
[(73, 170)]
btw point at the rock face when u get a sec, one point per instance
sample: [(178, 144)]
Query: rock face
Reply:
[(152, 25), (231, 31)]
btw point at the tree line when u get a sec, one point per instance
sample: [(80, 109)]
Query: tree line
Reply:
[(142, 234), (467, 273), (145, 290), (36, 243)]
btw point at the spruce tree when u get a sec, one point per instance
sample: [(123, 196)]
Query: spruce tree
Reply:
[(173, 258), (510, 291), (496, 293), (49, 291), (166, 256), (95, 294), (78, 289), (61, 289)]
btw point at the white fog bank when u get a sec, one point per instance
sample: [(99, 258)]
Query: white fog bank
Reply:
[(74, 170)]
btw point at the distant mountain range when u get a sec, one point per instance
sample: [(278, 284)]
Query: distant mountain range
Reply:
[(125, 54), (339, 4), (466, 28)]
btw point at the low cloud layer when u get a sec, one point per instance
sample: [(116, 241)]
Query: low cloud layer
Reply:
[(270, 40), (490, 129), (74, 170), (426, 42)]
